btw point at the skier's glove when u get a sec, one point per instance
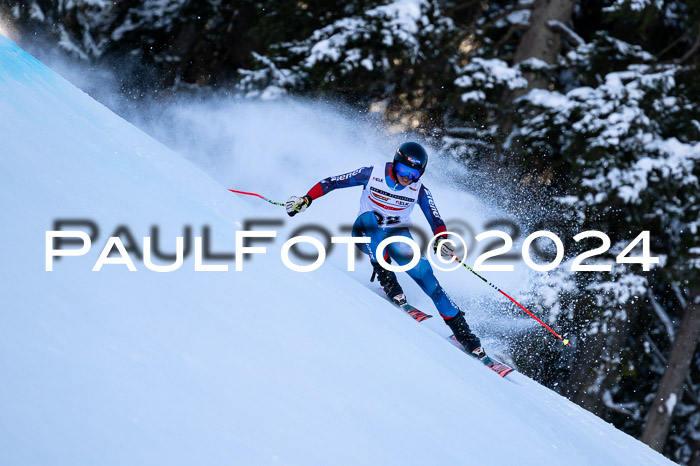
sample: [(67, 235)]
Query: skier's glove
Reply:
[(443, 247), (295, 204)]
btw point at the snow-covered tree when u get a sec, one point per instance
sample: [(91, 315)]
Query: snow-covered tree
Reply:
[(384, 56), (625, 155)]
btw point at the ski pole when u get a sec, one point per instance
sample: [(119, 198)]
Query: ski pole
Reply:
[(563, 340), (258, 195)]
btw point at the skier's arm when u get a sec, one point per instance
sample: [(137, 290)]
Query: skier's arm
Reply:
[(359, 177), (427, 205)]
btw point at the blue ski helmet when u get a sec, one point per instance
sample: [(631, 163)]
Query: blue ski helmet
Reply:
[(410, 160)]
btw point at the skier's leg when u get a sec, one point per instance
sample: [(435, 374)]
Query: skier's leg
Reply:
[(423, 275), (362, 227), (367, 225)]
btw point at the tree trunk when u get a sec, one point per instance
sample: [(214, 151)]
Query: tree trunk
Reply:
[(593, 372), (671, 385), (541, 41)]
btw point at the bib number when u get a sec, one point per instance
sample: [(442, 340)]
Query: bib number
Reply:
[(387, 220)]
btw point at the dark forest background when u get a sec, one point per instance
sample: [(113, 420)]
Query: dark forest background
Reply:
[(594, 105)]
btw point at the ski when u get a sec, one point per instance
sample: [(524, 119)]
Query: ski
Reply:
[(417, 314), (498, 367), (414, 312)]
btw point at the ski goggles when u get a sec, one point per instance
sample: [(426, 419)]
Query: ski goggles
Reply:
[(412, 173)]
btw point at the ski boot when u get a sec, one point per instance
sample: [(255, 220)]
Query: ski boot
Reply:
[(463, 334), (480, 354), (387, 279)]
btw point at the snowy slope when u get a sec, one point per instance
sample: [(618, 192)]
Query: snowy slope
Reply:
[(251, 367)]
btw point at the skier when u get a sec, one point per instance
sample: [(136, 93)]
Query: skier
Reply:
[(389, 195)]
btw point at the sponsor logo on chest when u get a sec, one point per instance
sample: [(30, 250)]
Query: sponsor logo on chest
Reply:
[(374, 190), (379, 196)]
